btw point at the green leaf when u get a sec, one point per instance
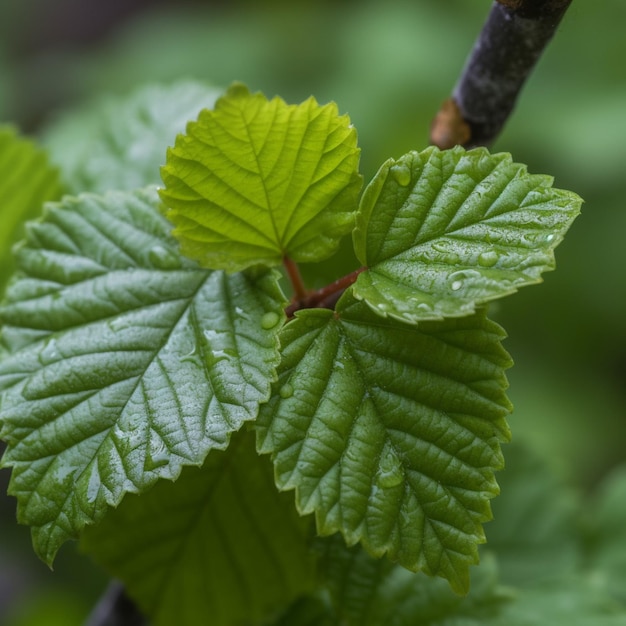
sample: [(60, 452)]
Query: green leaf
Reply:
[(307, 611), (572, 600), (120, 142), (607, 526), (390, 432), (442, 232), (535, 531), (219, 546), (255, 180), (127, 361), (27, 181), (371, 592)]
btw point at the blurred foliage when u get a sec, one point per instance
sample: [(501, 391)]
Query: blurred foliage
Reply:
[(389, 65)]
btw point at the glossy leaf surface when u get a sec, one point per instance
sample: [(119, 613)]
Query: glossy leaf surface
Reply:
[(445, 231), (126, 360), (390, 432)]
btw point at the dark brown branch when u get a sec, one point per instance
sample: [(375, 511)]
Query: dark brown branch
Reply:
[(512, 39), (115, 608)]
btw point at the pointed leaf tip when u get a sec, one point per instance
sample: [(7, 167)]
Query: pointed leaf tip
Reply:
[(390, 433), (125, 361), (443, 232), (255, 179)]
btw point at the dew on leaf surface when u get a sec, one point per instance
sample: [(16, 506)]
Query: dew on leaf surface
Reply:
[(488, 258), (156, 456), (401, 174), (390, 473), (269, 320), (458, 279), (162, 258), (286, 391)]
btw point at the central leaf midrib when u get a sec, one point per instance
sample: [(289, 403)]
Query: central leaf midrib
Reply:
[(261, 175)]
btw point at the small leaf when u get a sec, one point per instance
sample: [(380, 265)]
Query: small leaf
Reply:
[(120, 142), (390, 432), (255, 180), (127, 361), (219, 546), (28, 180), (445, 231)]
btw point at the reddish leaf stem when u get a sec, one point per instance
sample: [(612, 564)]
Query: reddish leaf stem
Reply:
[(293, 271), (326, 297)]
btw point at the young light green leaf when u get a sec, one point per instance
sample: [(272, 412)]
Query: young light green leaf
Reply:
[(126, 360), (442, 232), (28, 180), (255, 180), (119, 143), (219, 546), (391, 432)]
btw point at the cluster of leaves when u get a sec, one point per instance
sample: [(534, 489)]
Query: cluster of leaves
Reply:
[(133, 353)]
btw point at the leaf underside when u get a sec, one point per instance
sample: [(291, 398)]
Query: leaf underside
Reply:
[(126, 360), (255, 180), (221, 541), (442, 232), (391, 432)]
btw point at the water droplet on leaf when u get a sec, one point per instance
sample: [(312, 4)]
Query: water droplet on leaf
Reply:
[(157, 456), (269, 320), (401, 174), (50, 352), (460, 278), (163, 259), (488, 258), (390, 473), (286, 391)]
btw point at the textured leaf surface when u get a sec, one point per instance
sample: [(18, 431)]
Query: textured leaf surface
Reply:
[(444, 231), (127, 361), (219, 546), (120, 143), (27, 180), (255, 180), (390, 432)]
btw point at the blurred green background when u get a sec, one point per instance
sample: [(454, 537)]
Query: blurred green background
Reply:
[(388, 65)]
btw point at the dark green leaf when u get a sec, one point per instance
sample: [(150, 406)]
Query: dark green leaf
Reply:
[(219, 546), (444, 231), (127, 361), (390, 432)]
